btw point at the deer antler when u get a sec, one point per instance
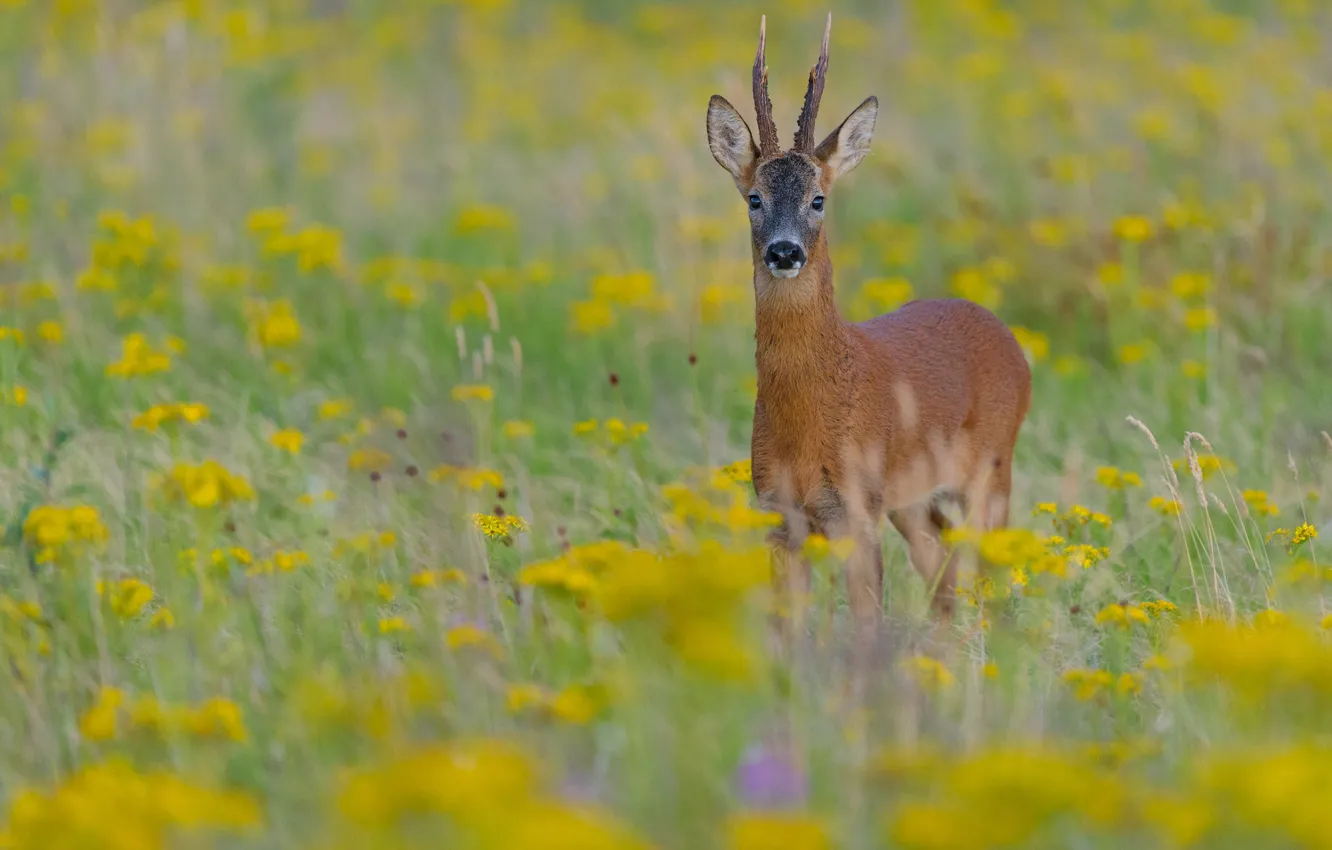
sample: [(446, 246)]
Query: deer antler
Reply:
[(804, 139), (767, 128)]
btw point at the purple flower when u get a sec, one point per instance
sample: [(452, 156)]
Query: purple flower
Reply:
[(581, 788), (769, 779)]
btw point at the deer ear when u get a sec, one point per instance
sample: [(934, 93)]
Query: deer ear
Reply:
[(846, 146), (731, 143)]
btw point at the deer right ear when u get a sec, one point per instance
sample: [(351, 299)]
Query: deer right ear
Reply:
[(731, 143)]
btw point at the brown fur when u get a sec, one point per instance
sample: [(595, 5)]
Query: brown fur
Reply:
[(908, 405)]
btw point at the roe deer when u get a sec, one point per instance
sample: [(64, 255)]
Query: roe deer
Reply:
[(898, 415)]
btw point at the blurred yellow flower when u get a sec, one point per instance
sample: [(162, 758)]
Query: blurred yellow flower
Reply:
[(1258, 503), (776, 831), (929, 673), (268, 220), (480, 218), (51, 332), (127, 597), (1188, 285), (972, 284), (1113, 478), (52, 530), (274, 325), (1133, 228), (473, 392), (138, 357), (98, 723), (335, 408), (205, 485), (516, 429), (393, 625), (288, 440), (1200, 318), (1131, 354), (161, 414), (1035, 343), (371, 459), (590, 317)]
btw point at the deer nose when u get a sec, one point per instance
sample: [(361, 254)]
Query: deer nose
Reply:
[(784, 255)]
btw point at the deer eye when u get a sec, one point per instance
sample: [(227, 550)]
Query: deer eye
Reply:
[(755, 202), (817, 204)]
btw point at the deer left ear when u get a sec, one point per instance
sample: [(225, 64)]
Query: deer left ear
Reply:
[(846, 146)]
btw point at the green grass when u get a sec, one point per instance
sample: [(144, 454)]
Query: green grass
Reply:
[(535, 157)]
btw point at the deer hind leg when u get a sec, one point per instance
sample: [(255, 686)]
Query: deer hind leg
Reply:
[(921, 526), (988, 493)]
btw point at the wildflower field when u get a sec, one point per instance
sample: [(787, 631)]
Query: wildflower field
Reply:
[(375, 390)]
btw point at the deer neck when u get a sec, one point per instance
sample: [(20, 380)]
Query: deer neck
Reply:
[(802, 344)]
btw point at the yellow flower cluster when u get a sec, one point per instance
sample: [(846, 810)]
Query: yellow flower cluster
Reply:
[(1124, 614), (1304, 532), (365, 543), (1259, 504), (1005, 797), (576, 704), (53, 531), (695, 597), (473, 392), (579, 569), (717, 499), (634, 290), (1089, 683), (489, 791), (376, 706), (614, 432), (161, 414), (314, 246), (273, 324), (498, 527), (1208, 465), (127, 597), (929, 673), (288, 440), (281, 561), (1270, 656), (112, 715), (775, 830), (110, 804), (469, 478), (205, 485), (1113, 478), (1165, 507), (138, 357)]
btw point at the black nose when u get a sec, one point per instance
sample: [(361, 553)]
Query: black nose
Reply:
[(784, 255)]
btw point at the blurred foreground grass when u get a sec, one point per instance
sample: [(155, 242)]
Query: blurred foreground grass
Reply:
[(375, 383)]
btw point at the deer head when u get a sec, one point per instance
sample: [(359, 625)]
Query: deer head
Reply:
[(787, 192)]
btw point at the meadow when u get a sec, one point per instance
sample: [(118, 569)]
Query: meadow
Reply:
[(375, 391)]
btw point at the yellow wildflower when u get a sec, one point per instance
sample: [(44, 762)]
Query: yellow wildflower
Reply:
[(288, 440), (1133, 228), (1303, 533), (473, 392)]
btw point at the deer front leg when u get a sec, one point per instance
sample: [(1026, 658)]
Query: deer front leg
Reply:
[(791, 590), (791, 573)]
